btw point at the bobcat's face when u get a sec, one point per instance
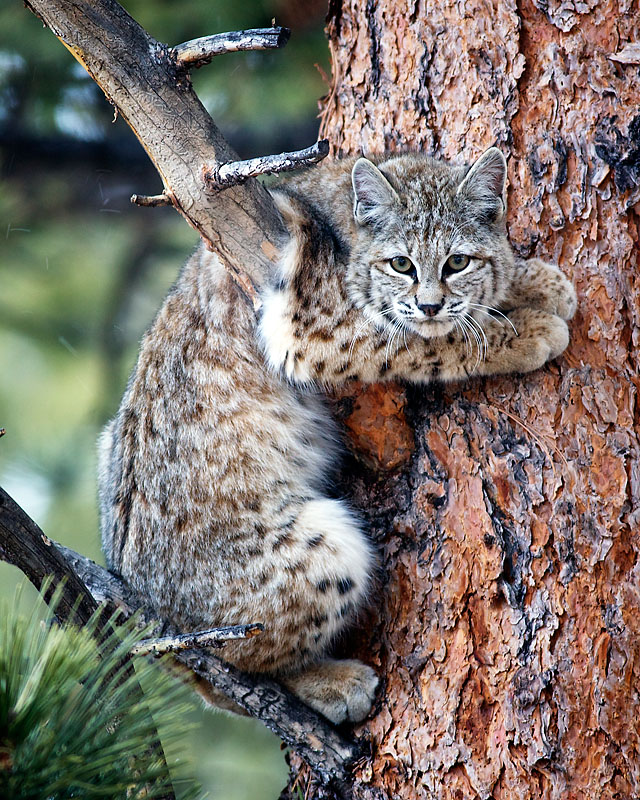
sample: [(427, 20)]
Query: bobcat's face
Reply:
[(432, 252)]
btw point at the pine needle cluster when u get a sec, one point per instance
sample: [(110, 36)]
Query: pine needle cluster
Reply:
[(73, 720)]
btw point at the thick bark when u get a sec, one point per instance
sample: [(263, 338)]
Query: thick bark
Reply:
[(506, 625)]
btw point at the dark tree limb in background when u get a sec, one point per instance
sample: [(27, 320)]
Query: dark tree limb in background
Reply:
[(23, 544), (310, 736)]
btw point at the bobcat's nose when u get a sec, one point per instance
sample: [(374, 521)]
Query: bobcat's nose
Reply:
[(430, 309)]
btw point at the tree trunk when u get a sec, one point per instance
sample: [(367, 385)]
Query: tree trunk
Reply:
[(506, 622)]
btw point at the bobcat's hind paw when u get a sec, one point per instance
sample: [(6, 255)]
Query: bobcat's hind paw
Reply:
[(342, 691)]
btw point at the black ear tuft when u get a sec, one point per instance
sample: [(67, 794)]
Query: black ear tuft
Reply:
[(485, 182), (373, 195)]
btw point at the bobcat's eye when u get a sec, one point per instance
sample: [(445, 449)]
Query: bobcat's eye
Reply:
[(402, 264), (457, 262)]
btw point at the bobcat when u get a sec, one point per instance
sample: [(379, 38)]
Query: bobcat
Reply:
[(213, 472)]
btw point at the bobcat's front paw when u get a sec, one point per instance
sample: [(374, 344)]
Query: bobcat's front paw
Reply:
[(545, 287), (340, 690), (541, 337)]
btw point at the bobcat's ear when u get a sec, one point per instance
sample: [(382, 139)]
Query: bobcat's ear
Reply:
[(485, 183), (373, 195)]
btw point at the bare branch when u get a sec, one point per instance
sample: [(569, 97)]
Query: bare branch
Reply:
[(153, 200), (311, 736), (235, 172), (23, 544), (327, 753), (198, 52), (140, 77), (214, 637)]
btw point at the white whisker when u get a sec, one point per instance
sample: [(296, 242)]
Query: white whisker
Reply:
[(483, 349), (396, 330), (363, 325), (404, 337), (481, 307), (464, 326), (465, 319), (478, 325), (465, 336), (486, 313)]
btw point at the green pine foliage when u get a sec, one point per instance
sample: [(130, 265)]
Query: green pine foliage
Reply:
[(73, 721)]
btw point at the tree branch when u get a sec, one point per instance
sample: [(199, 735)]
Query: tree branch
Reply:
[(23, 544), (141, 78), (214, 637), (198, 52), (238, 171), (152, 200)]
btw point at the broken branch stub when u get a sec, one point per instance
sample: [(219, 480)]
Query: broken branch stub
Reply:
[(213, 637), (152, 201), (198, 52), (233, 172)]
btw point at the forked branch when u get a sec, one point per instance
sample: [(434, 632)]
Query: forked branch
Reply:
[(140, 76)]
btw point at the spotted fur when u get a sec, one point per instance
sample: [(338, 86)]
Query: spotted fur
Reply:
[(212, 474)]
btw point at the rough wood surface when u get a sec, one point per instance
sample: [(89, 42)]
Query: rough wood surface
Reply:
[(506, 623)]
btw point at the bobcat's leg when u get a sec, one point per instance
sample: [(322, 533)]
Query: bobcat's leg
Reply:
[(324, 567)]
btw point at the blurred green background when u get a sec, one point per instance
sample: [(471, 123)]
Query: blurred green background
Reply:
[(82, 273)]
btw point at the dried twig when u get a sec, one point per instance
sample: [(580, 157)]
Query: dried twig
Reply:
[(234, 172), (214, 637), (198, 52), (152, 200), (313, 738)]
